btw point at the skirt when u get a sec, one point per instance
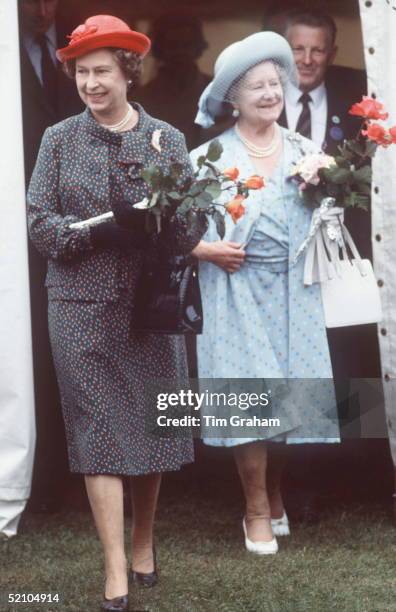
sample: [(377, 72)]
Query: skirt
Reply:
[(103, 371)]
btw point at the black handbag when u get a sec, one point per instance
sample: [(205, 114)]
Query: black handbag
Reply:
[(168, 298)]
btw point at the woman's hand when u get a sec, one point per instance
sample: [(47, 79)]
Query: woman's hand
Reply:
[(127, 216), (112, 236), (227, 255)]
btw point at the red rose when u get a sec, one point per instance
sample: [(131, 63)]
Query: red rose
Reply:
[(392, 132), (254, 182), (368, 108), (231, 173), (236, 208), (378, 134)]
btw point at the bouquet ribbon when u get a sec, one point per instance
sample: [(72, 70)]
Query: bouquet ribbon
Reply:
[(325, 238)]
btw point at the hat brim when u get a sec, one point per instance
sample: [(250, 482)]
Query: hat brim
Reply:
[(241, 56), (132, 41)]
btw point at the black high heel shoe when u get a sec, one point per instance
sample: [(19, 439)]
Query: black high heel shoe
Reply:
[(117, 604), (148, 579)]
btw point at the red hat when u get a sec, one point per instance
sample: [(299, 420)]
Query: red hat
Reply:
[(103, 31)]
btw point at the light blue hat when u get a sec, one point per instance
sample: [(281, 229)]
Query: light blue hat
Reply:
[(234, 61)]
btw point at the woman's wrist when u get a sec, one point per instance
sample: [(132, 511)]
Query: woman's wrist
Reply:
[(202, 250)]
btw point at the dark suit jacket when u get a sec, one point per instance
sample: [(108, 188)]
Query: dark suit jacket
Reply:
[(37, 112), (71, 182), (344, 87)]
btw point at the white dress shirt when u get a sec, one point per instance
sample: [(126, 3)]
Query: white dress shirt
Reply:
[(34, 51), (318, 108)]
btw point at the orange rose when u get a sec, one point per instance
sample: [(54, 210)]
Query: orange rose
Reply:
[(368, 108), (254, 182), (236, 208), (231, 173), (378, 134)]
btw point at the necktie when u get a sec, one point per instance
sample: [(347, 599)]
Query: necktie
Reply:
[(303, 126), (49, 72)]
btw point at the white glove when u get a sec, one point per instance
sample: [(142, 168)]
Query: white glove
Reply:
[(334, 216)]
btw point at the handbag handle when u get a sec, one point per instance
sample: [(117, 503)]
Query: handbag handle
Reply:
[(349, 241), (322, 258)]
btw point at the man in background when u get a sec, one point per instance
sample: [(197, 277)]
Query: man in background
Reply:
[(318, 108), (177, 44), (47, 97)]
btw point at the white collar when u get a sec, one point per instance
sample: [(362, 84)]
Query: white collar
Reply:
[(50, 34), (293, 94)]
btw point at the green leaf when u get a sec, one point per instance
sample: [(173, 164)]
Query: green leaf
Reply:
[(203, 200), (363, 188), (351, 199), (363, 175), (200, 161), (357, 200), (214, 151), (356, 146), (214, 190), (342, 162), (335, 175), (220, 223), (186, 205), (196, 188), (371, 148), (175, 196), (214, 171), (153, 176)]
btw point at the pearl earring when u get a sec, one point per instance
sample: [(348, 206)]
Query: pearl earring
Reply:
[(130, 83), (235, 112)]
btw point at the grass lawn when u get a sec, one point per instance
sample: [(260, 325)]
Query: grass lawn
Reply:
[(346, 563)]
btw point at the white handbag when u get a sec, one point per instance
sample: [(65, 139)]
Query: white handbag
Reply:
[(350, 293)]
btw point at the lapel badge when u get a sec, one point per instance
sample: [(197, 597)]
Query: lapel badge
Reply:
[(336, 133), (155, 140)]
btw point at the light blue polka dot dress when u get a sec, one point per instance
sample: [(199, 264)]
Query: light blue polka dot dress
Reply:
[(261, 322)]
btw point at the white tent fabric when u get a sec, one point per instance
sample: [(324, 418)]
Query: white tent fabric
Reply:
[(17, 425), (379, 36)]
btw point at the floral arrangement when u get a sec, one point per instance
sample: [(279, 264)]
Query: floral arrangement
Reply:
[(193, 197), (347, 176)]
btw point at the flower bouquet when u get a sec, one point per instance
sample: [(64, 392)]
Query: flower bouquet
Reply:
[(196, 198), (172, 194), (169, 298), (329, 185), (346, 177)]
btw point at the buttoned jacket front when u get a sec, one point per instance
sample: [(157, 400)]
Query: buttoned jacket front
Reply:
[(71, 183)]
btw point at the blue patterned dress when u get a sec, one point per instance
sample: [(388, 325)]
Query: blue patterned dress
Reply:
[(261, 322)]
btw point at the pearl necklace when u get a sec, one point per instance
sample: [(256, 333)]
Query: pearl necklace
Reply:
[(260, 152), (117, 127)]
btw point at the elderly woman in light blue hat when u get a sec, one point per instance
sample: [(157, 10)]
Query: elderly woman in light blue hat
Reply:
[(260, 322)]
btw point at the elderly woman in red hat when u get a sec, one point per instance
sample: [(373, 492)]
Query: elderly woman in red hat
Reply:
[(87, 165)]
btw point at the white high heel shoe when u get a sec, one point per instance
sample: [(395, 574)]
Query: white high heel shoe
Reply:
[(280, 527), (260, 548)]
